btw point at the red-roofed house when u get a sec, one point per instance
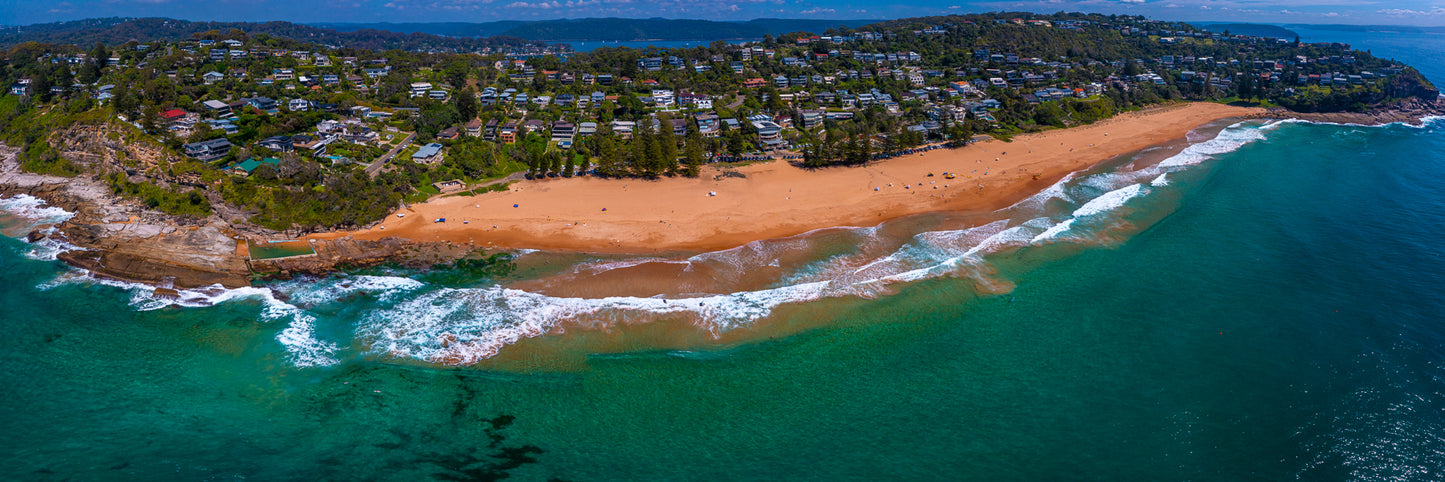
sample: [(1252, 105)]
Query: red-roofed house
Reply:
[(178, 119)]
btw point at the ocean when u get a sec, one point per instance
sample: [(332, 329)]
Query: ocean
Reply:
[(1261, 302)]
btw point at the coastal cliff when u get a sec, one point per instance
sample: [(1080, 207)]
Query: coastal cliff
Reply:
[(120, 239)]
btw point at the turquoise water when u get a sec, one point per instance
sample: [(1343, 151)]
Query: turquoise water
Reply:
[(1262, 304), (280, 250)]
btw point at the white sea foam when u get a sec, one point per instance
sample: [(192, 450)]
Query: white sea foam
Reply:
[(1111, 200), (1228, 140), (307, 292), (34, 209), (466, 325)]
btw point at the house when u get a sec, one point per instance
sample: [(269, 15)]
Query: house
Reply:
[(489, 131), (437, 94), (315, 144), (770, 134), (623, 129), (679, 126), (428, 154), (262, 103), (223, 126), (534, 125), (562, 133), (474, 127), (707, 125), (508, 133), (450, 133), (212, 77), (446, 187), (419, 89), (298, 105), (812, 118), (172, 115), (651, 63), (208, 150), (248, 166), (754, 83), (587, 128)]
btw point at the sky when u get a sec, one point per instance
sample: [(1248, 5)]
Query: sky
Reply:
[(1384, 12)]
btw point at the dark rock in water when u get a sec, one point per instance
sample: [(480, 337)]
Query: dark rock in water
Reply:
[(166, 293), (34, 236)]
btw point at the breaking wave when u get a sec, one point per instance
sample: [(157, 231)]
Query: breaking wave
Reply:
[(409, 319)]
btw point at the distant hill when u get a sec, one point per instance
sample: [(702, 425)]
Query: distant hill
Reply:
[(620, 29), (1251, 29), (116, 30), (1370, 28), (451, 29)]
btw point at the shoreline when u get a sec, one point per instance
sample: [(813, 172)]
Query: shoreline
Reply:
[(726, 207), (121, 239)]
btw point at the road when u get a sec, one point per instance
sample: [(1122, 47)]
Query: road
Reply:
[(380, 162)]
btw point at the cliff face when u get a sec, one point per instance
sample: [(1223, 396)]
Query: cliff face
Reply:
[(123, 241), (1410, 83)]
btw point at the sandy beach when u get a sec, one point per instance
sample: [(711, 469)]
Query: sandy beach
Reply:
[(776, 199)]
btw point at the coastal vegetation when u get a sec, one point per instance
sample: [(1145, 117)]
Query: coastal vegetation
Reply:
[(298, 135)]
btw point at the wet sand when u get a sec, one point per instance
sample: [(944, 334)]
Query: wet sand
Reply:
[(777, 199)]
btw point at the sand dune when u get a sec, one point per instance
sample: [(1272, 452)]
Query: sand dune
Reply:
[(777, 199)]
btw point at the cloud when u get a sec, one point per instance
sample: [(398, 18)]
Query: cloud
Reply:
[(1204, 7), (535, 6), (1131, 1), (817, 10), (1400, 12)]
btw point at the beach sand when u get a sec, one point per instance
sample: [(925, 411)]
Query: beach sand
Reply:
[(777, 199)]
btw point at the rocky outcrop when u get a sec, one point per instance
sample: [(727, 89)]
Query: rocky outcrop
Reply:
[(1410, 111), (348, 253), (123, 240)]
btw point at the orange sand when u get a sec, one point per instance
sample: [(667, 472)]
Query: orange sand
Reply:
[(777, 199)]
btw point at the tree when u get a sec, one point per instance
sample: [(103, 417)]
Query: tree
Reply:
[(466, 104), (99, 55), (692, 152)]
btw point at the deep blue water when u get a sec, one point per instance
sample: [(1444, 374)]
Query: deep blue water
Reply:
[(1262, 305)]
